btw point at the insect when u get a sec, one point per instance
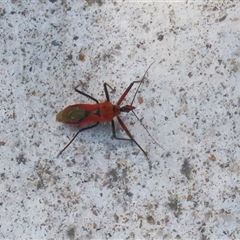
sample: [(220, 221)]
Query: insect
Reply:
[(83, 114)]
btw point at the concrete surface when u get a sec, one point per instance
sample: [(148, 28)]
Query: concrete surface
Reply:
[(101, 188)]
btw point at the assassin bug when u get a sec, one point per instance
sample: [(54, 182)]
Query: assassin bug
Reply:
[(82, 114)]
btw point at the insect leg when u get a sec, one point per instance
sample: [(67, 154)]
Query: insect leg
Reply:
[(85, 94), (83, 129), (105, 85), (130, 86), (127, 132)]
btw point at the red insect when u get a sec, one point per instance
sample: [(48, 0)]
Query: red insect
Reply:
[(82, 114)]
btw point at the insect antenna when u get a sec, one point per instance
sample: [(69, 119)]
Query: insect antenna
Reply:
[(141, 81), (149, 134)]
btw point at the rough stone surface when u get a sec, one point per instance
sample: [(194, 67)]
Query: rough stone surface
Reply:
[(102, 188)]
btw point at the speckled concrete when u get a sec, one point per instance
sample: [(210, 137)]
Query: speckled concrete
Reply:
[(101, 188)]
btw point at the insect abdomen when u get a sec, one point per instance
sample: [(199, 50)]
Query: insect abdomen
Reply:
[(72, 115)]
